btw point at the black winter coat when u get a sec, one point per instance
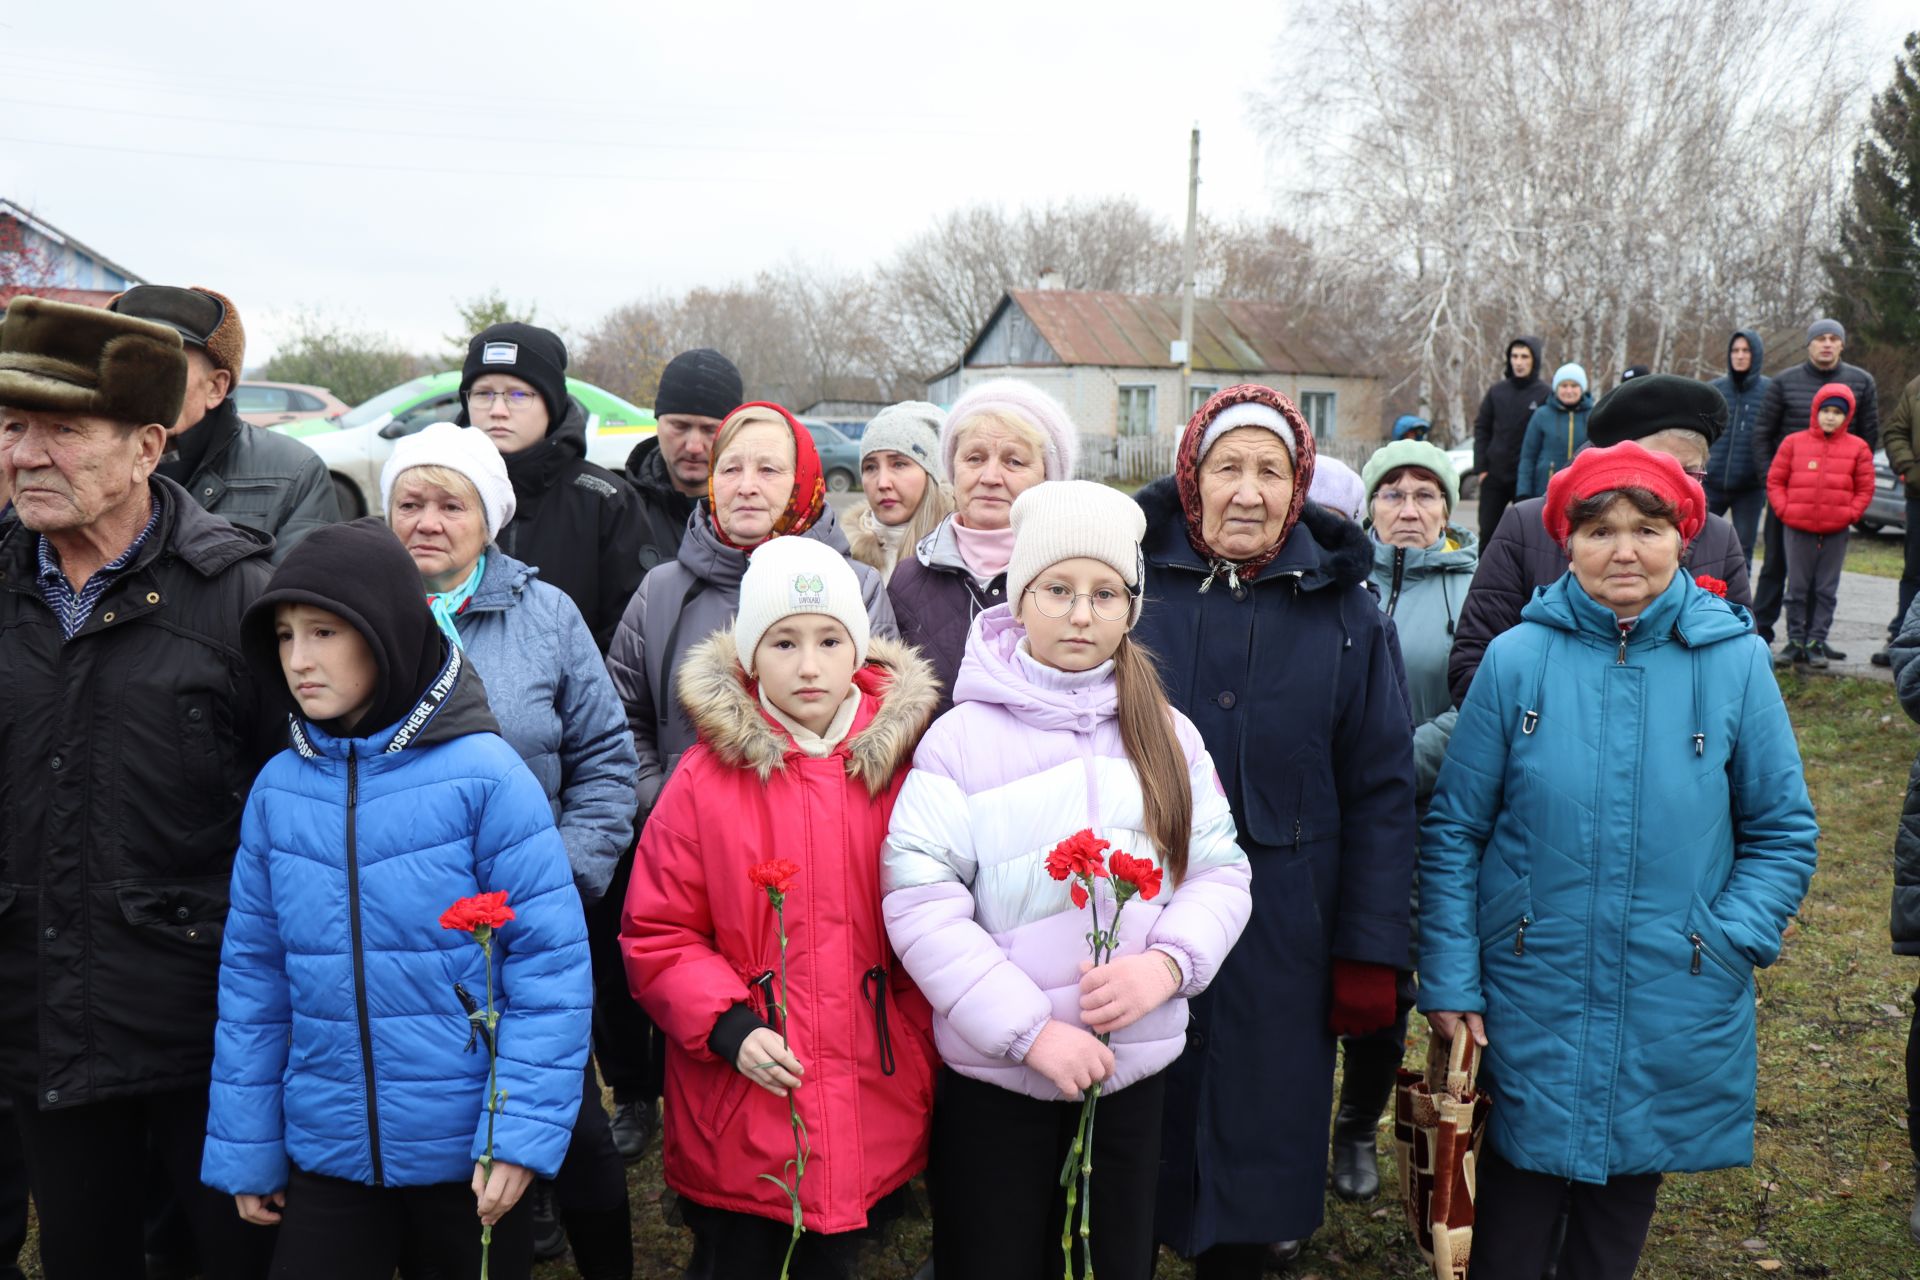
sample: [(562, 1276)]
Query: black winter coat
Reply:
[(1500, 426), (935, 600), (263, 480), (1789, 407), (1521, 558), (1295, 683), (578, 524), (663, 509), (126, 754), (1905, 923)]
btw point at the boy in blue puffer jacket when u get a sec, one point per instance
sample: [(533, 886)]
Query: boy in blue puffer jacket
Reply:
[(349, 1094), (1556, 431)]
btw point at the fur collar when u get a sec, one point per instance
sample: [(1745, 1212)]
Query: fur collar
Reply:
[(726, 712)]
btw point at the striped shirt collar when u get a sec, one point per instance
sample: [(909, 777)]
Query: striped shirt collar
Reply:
[(73, 608)]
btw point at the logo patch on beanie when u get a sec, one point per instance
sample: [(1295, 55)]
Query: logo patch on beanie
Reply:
[(500, 353), (809, 591)]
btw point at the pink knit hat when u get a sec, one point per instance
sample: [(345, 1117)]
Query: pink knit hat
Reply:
[(1009, 397)]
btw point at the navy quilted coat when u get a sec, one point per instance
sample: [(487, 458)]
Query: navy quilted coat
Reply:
[(343, 1045), (1620, 833)]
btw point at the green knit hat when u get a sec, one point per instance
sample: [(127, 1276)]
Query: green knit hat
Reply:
[(1412, 453)]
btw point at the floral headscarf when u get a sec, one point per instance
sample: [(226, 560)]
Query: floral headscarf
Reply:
[(809, 497), (1186, 472)]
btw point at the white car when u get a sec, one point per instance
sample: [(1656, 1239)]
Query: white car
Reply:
[(1462, 460), (363, 441)]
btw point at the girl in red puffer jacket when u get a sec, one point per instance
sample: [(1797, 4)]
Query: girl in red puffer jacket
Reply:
[(1820, 483)]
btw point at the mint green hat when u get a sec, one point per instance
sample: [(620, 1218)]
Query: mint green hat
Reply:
[(1412, 453)]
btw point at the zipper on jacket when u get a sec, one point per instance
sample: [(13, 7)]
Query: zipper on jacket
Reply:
[(1296, 837), (873, 985), (1399, 571), (359, 966), (1698, 946), (1620, 659), (1520, 936)]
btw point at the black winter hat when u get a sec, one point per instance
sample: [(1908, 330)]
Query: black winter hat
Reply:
[(534, 355), (1656, 402), (701, 382), (360, 571)]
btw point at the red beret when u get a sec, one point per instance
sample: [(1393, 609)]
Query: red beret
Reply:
[(1623, 466)]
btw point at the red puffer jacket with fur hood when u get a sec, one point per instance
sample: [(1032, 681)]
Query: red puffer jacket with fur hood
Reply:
[(1822, 483), (702, 949)]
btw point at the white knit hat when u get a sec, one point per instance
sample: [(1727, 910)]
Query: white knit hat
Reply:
[(911, 429), (1022, 402), (462, 449), (1063, 519), (1248, 413), (790, 575)]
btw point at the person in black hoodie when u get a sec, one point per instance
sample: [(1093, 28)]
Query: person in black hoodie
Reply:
[(577, 523), (1500, 428), (1733, 484), (697, 390), (1789, 407)]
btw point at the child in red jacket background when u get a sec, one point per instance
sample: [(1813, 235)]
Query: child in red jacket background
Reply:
[(807, 728), (1820, 483)]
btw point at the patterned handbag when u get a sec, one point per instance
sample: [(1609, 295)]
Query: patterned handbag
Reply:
[(1439, 1118)]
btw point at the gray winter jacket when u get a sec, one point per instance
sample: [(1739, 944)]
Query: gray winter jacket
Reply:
[(1422, 589), (548, 688), (263, 480), (680, 603)]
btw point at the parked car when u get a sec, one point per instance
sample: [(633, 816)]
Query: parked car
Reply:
[(268, 404), (356, 445), (1889, 506), (839, 455), (1462, 460)]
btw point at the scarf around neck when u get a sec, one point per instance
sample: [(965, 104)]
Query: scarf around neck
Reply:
[(446, 605)]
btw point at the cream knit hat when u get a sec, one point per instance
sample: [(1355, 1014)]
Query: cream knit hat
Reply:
[(911, 429), (466, 450), (792, 574), (1063, 519)]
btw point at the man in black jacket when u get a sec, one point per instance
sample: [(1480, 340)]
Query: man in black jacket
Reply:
[(698, 389), (242, 473), (129, 738), (1500, 428), (1789, 408), (1667, 414)]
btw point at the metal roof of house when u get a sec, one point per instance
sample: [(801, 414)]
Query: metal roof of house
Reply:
[(1133, 330), (8, 209)]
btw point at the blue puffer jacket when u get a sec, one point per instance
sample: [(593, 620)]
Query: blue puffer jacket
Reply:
[(548, 687), (1731, 464), (1555, 433), (1620, 834), (343, 1043)]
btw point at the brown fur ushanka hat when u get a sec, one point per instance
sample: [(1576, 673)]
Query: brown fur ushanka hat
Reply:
[(57, 357)]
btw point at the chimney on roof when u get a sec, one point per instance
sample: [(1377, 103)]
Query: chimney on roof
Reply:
[(1049, 278)]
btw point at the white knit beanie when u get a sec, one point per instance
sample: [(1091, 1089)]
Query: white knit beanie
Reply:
[(793, 574), (1063, 519), (911, 429), (462, 449), (1023, 402), (1249, 413)]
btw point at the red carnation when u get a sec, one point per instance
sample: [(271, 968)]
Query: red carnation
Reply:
[(1707, 582), (1081, 855), (1138, 872), (775, 875), (483, 910)]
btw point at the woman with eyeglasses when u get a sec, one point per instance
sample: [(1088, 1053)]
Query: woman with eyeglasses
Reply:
[(578, 524), (1270, 642), (1422, 566), (1662, 412)]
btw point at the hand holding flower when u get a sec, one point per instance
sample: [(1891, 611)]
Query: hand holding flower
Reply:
[(259, 1210), (497, 1189), (1121, 992), (1070, 1059), (766, 1060)]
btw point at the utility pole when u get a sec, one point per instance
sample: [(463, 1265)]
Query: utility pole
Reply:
[(1183, 349)]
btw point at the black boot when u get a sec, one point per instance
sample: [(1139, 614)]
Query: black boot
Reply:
[(634, 1124), (602, 1241), (549, 1239), (1365, 1089)]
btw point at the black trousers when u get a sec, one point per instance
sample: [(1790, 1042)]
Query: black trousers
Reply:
[(1496, 494), (593, 1176), (13, 1195), (1515, 1212), (631, 1053), (1910, 569), (727, 1244), (1913, 1079), (998, 1206), (333, 1229), (88, 1170), (1770, 593)]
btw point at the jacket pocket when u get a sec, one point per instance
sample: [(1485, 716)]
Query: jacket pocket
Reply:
[(191, 915), (724, 1096), (1507, 915), (1708, 945)]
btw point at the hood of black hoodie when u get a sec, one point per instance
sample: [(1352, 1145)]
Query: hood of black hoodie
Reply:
[(1740, 380), (1531, 343)]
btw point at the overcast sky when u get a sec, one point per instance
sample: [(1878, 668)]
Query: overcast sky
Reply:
[(378, 161)]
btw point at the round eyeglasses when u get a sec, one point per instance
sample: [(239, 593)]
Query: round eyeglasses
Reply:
[(1055, 601), (516, 399)]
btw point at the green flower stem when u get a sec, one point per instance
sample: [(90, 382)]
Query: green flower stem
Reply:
[(799, 1165), (484, 936)]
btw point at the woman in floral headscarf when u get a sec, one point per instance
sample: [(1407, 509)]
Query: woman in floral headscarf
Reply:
[(1271, 644)]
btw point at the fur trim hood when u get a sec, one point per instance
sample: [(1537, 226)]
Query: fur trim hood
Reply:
[(724, 706)]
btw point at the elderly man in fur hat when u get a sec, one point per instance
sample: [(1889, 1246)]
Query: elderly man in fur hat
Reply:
[(242, 473), (129, 734)]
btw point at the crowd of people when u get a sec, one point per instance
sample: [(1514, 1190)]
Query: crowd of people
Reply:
[(784, 803)]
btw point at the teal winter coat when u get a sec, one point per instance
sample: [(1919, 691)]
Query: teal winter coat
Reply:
[(1619, 836), (1554, 434), (1422, 589)]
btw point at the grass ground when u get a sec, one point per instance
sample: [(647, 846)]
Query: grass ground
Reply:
[(1882, 555)]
